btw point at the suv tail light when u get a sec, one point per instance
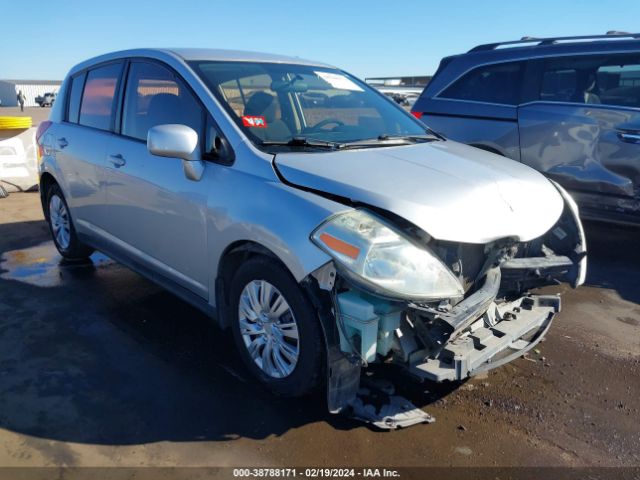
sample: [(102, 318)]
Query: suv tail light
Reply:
[(418, 115), (39, 132)]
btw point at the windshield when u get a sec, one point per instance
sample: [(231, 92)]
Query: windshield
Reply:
[(300, 105)]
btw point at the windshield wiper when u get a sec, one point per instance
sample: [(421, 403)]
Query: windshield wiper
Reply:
[(424, 137), (391, 141), (303, 142)]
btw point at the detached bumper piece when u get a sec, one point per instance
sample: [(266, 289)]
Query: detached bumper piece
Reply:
[(377, 404), (521, 326)]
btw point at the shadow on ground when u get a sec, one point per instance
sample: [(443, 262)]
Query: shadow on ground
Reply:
[(94, 353)]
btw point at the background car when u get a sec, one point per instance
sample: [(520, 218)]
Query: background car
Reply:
[(46, 100), (567, 106)]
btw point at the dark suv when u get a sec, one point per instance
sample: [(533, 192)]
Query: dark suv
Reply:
[(569, 107)]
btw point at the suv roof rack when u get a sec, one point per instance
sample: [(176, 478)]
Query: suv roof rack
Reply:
[(552, 40)]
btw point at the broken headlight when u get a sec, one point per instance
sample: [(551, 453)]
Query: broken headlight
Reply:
[(384, 258)]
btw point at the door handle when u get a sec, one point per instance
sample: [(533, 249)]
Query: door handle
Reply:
[(62, 142), (631, 137), (117, 160)]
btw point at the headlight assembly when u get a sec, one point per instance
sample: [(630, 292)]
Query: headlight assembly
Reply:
[(378, 255)]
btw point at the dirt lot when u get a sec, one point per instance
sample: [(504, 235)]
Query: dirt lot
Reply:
[(99, 367)]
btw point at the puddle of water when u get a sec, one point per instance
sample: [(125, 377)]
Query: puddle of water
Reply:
[(43, 266)]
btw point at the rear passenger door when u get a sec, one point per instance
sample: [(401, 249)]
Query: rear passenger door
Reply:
[(156, 216), (81, 141), (583, 129)]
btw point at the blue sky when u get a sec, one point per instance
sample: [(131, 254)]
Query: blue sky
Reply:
[(42, 40)]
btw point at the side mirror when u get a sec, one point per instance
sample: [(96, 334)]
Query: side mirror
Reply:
[(173, 140)]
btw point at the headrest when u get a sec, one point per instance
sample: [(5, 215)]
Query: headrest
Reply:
[(261, 104)]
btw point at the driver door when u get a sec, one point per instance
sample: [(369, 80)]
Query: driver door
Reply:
[(155, 214)]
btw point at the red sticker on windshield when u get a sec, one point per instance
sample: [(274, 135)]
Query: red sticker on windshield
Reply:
[(254, 121)]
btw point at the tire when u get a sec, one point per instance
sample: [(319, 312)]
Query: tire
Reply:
[(3, 192), (61, 227), (272, 362)]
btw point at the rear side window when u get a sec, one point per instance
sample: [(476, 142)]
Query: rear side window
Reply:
[(594, 79), (98, 98), (155, 96), (75, 95), (498, 83)]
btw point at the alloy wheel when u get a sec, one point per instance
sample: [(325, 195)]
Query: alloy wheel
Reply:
[(60, 222), (269, 329)]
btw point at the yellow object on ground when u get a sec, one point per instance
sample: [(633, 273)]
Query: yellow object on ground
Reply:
[(11, 123)]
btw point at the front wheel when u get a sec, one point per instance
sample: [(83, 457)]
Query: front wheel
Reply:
[(61, 227), (275, 328)]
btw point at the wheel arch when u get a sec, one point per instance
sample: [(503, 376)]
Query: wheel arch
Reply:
[(46, 180), (232, 257)]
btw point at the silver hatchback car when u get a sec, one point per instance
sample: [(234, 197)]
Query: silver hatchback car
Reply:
[(315, 218)]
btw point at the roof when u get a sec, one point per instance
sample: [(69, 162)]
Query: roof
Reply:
[(190, 54), (194, 54), (536, 42), (536, 48)]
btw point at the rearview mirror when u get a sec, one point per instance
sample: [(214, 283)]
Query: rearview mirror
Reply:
[(173, 140)]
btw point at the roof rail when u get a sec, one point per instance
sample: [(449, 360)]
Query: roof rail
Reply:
[(551, 40)]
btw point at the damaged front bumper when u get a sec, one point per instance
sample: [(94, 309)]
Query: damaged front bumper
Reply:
[(475, 336), (497, 320), (496, 335)]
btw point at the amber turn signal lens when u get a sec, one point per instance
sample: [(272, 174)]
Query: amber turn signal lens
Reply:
[(339, 246)]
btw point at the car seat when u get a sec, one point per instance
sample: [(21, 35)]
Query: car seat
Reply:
[(263, 104)]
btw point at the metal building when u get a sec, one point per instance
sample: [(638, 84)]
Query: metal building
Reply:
[(31, 88)]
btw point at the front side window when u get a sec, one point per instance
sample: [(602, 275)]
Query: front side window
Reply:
[(155, 96), (276, 103), (497, 83), (593, 79), (98, 97)]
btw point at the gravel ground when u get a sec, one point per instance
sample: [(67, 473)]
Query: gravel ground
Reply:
[(99, 367)]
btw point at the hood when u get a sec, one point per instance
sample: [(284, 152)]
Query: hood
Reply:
[(451, 191)]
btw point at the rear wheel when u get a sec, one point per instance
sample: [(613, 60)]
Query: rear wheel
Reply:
[(275, 328), (61, 227)]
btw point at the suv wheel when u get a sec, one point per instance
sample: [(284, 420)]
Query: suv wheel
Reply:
[(275, 328), (61, 227)]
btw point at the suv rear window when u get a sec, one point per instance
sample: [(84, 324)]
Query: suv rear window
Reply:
[(497, 83), (96, 109)]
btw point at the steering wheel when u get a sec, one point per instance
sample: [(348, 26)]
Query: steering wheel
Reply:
[(326, 121)]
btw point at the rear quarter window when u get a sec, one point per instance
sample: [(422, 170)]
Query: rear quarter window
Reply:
[(75, 96), (497, 83)]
